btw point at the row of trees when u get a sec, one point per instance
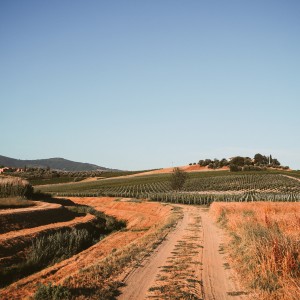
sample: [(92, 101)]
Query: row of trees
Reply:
[(213, 164), (258, 163)]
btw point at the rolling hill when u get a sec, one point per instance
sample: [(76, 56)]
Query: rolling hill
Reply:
[(56, 163)]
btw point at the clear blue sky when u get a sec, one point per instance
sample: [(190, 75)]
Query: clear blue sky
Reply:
[(144, 84)]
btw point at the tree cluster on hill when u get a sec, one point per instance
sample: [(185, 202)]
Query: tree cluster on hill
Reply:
[(213, 164), (240, 163)]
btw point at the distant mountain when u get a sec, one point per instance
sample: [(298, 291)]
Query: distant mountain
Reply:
[(53, 163)]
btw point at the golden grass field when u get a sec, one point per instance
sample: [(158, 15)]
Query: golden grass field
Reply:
[(264, 245)]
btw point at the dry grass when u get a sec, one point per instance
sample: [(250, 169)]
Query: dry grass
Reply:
[(16, 202), (265, 245), (14, 186)]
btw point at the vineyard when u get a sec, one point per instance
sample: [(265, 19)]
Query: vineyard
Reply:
[(201, 190)]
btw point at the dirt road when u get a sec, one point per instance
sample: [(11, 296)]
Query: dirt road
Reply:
[(291, 177), (189, 264)]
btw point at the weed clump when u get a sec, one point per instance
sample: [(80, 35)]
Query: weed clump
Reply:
[(15, 187), (51, 292)]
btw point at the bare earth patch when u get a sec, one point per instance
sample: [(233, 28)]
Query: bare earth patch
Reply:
[(189, 169)]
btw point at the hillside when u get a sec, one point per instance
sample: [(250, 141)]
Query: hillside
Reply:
[(53, 163)]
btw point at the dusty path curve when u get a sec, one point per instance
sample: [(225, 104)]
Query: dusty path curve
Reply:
[(171, 264), (291, 177)]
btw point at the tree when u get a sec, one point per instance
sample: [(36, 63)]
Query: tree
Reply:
[(246, 168), (178, 178), (247, 161), (201, 162), (275, 162), (223, 162), (235, 168), (238, 160), (207, 162), (260, 159)]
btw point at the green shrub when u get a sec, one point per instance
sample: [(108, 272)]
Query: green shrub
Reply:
[(58, 246), (178, 178), (52, 292)]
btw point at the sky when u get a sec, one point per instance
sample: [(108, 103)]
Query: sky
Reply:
[(138, 85)]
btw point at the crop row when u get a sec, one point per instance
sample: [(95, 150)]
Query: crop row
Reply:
[(252, 187), (234, 183), (259, 182), (196, 198)]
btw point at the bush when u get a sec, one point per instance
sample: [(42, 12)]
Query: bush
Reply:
[(51, 292), (235, 168), (11, 187), (178, 179), (59, 246), (246, 168)]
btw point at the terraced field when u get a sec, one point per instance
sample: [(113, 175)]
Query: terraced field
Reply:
[(147, 223)]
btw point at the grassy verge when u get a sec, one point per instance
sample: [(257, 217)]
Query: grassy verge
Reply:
[(265, 246)]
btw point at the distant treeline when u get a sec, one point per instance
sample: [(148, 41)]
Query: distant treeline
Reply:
[(241, 163), (47, 173), (34, 174)]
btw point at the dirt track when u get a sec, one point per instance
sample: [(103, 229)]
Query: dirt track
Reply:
[(212, 277), (291, 177)]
